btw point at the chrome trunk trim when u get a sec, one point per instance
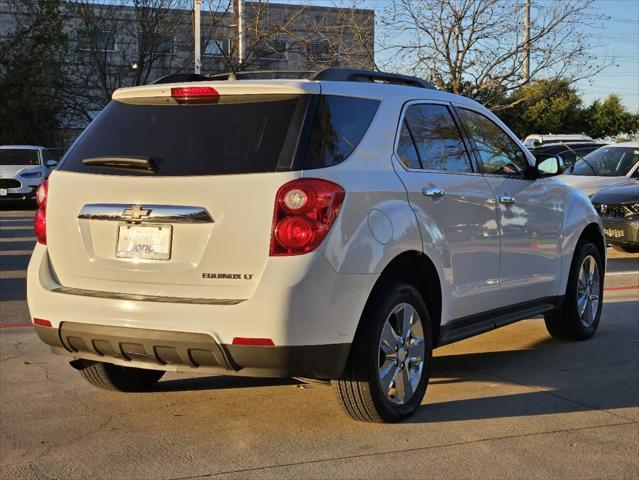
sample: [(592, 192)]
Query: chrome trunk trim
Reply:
[(144, 213)]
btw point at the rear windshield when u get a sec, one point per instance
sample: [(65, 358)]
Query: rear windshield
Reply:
[(241, 134), (18, 156)]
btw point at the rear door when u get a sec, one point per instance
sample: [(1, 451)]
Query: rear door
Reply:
[(454, 206), (173, 199), (530, 213)]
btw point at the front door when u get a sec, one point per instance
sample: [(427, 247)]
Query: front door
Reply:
[(530, 213)]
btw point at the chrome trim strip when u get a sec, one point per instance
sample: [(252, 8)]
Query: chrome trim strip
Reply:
[(145, 298), (144, 213)]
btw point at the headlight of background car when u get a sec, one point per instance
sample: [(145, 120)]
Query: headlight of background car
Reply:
[(632, 209), (31, 174)]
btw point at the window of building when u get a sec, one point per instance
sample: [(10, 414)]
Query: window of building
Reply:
[(271, 50), (498, 153), (215, 47), (321, 51), (437, 140), (164, 44), (99, 41)]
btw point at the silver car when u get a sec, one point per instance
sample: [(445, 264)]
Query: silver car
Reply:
[(605, 167), (22, 169)]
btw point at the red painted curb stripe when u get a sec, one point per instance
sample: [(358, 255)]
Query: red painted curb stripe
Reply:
[(16, 325), (614, 289)]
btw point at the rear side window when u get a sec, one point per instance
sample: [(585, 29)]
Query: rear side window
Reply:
[(240, 134), (437, 139), (339, 125), (406, 148)]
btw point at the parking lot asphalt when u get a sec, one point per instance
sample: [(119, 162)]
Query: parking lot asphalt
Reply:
[(510, 403)]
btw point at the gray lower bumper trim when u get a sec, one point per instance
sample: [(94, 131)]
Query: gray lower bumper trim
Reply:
[(145, 298)]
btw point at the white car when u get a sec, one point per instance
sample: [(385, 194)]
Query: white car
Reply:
[(611, 165), (22, 169), (334, 227)]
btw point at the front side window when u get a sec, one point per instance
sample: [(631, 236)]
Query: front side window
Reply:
[(607, 162), (437, 139), (498, 153)]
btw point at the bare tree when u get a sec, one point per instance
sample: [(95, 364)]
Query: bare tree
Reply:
[(477, 47)]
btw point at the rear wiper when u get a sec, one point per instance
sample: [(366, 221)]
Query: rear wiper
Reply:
[(144, 164)]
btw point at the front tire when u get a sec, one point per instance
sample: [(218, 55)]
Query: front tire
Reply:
[(388, 369), (580, 314), (107, 376)]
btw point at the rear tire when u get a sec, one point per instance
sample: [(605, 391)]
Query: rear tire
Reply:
[(580, 313), (387, 373), (107, 376)]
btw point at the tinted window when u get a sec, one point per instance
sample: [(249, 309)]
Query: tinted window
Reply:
[(437, 138), (18, 157), (238, 135), (406, 148), (499, 154), (607, 162), (338, 126)]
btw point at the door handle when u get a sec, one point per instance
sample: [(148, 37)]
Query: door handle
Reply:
[(434, 192), (506, 200)]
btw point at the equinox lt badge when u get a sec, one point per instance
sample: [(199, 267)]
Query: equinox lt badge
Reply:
[(229, 276)]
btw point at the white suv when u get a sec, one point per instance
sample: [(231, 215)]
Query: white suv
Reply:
[(337, 227)]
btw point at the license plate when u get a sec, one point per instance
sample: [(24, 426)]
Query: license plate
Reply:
[(3, 192), (614, 232), (151, 242)]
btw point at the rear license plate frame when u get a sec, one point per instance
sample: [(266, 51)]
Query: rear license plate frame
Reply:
[(129, 254)]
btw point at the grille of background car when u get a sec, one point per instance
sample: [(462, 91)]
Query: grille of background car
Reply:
[(9, 183)]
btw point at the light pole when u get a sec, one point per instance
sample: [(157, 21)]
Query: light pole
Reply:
[(197, 41), (240, 32)]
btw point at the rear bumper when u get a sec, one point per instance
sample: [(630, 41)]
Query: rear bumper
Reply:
[(309, 312), (191, 352)]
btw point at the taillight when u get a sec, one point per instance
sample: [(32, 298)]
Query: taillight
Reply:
[(305, 210), (40, 224), (200, 94)]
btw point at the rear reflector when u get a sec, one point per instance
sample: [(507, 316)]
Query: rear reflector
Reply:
[(256, 342), (42, 322), (195, 95)]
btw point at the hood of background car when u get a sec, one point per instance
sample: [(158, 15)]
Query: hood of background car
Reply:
[(12, 171), (620, 194), (591, 184)]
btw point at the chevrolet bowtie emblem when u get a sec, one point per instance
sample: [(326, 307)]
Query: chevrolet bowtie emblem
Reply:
[(136, 212)]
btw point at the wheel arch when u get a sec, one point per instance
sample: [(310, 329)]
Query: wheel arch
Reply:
[(418, 269)]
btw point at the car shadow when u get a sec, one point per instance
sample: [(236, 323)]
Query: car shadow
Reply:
[(219, 383)]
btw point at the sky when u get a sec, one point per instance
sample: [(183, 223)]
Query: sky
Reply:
[(618, 37)]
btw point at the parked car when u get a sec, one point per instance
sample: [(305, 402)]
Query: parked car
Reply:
[(568, 152), (607, 166), (535, 140), (619, 210), (22, 169), (337, 227)]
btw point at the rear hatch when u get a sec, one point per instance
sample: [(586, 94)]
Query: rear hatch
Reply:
[(170, 192)]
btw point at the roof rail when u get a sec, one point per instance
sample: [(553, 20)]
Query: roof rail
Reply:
[(327, 74), (357, 75), (261, 74)]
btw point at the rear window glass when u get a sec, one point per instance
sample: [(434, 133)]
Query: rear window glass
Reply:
[(241, 134), (18, 156)]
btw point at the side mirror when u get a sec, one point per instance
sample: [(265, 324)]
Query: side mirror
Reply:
[(549, 166), (51, 163)]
